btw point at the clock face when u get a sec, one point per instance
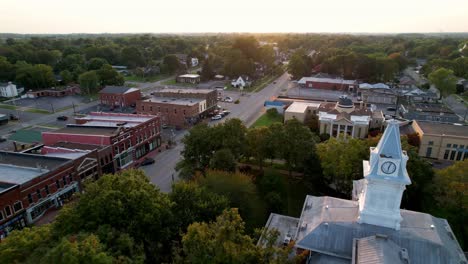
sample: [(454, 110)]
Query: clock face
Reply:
[(388, 167)]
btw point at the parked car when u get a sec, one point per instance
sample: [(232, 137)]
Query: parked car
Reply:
[(14, 117), (2, 139), (62, 118), (228, 99), (225, 112), (216, 117), (147, 161)]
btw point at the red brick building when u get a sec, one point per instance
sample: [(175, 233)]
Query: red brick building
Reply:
[(210, 95), (119, 96), (329, 84), (177, 112), (130, 136), (30, 184)]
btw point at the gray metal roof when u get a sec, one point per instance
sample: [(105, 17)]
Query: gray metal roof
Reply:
[(116, 89), (378, 250), (329, 225)]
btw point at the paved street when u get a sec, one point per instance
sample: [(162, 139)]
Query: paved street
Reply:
[(454, 103), (248, 110)]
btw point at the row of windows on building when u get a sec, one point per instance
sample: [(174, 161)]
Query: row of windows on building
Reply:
[(159, 109), (8, 211), (452, 151), (65, 180)]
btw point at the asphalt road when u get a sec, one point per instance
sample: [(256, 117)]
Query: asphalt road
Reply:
[(248, 110), (455, 103)]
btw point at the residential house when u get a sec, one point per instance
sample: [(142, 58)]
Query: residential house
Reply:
[(370, 228), (119, 96), (442, 141), (241, 82), (194, 62), (8, 90), (406, 82)]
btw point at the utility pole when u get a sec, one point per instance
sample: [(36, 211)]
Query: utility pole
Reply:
[(74, 111)]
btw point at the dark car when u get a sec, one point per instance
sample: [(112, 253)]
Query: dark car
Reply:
[(14, 117), (2, 139), (62, 118), (147, 161)]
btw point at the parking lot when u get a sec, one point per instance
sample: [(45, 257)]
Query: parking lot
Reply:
[(317, 94), (49, 103)]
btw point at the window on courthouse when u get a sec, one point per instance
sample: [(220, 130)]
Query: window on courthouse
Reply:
[(18, 206), (8, 211)]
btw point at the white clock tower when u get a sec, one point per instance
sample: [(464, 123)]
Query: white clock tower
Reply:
[(385, 178)]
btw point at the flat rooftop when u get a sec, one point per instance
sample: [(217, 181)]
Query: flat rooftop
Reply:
[(19, 168), (443, 129), (86, 130), (286, 225), (79, 146), (116, 117), (303, 80), (5, 186), (301, 107), (118, 89), (185, 90), (189, 76), (174, 101), (427, 107)]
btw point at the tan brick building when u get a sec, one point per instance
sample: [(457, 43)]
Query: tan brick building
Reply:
[(442, 141)]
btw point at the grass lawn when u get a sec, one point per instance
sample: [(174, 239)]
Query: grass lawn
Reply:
[(5, 106), (155, 78), (266, 120), (37, 111)]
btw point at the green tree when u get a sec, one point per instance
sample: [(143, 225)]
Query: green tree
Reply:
[(96, 63), (109, 76), (241, 192), (192, 203), (298, 65), (89, 82), (298, 144), (451, 185), (341, 161), (207, 71), (225, 241), (67, 76), (21, 245), (7, 70), (199, 147), (128, 203), (34, 76), (444, 80), (78, 249), (223, 160), (132, 57), (232, 136), (172, 63), (450, 190), (257, 140)]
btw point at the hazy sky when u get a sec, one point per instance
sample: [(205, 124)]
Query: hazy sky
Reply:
[(128, 16)]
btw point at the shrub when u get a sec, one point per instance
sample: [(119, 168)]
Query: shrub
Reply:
[(237, 101)]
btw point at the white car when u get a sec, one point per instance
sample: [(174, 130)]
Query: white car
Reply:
[(216, 117), (228, 100)]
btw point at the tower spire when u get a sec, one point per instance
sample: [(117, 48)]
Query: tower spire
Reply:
[(385, 179)]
